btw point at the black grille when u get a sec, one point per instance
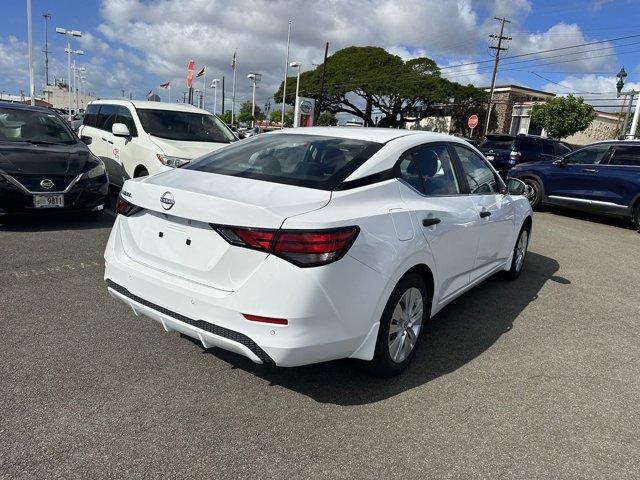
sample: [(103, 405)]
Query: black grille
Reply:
[(201, 324), (32, 182)]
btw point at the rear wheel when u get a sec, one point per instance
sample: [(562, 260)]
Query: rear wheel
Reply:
[(401, 324), (636, 216), (536, 197)]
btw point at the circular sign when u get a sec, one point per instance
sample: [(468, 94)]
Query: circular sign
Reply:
[(473, 121)]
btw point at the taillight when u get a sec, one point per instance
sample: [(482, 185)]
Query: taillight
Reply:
[(304, 248), (515, 156), (125, 208)]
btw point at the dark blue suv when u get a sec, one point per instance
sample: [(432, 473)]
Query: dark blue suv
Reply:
[(603, 177)]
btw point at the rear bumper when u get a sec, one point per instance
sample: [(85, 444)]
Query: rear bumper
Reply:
[(326, 321)]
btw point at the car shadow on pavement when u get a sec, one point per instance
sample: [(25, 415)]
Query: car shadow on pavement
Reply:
[(619, 222), (56, 221), (459, 333)]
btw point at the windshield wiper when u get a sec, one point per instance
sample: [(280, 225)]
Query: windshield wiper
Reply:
[(44, 142)]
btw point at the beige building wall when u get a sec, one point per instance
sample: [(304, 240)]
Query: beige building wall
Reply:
[(604, 127), (59, 97)]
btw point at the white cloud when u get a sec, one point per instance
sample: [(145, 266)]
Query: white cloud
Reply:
[(598, 90), (466, 74), (13, 64)]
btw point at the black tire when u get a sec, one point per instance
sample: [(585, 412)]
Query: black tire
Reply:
[(141, 172), (383, 365), (636, 216), (538, 192), (517, 266)]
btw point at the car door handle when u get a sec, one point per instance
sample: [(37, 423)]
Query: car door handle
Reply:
[(109, 141), (104, 139), (485, 214), (430, 222), (589, 170)]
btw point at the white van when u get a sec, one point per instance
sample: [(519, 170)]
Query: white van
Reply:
[(137, 138)]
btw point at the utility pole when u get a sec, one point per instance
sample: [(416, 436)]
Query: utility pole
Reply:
[(47, 17), (498, 48), (324, 69)]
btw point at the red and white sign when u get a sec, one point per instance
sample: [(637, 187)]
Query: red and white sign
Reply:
[(190, 67), (473, 121)]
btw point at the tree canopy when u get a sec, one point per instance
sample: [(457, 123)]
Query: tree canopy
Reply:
[(370, 83), (563, 116), (245, 113)]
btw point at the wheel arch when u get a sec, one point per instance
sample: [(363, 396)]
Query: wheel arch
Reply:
[(138, 169)]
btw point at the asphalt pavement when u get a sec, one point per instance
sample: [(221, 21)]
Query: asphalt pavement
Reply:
[(532, 379)]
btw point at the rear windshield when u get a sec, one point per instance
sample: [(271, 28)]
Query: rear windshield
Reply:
[(185, 126), (40, 127), (497, 143), (304, 160)]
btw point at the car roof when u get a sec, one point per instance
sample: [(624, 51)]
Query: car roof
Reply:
[(141, 104), (22, 106), (370, 134)]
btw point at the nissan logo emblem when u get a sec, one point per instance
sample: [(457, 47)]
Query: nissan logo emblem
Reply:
[(167, 200), (46, 184)]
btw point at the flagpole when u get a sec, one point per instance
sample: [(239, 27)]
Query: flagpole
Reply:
[(169, 92), (286, 71), (204, 86), (233, 87)]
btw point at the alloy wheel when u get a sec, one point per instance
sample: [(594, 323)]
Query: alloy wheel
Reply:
[(405, 324), (521, 249)]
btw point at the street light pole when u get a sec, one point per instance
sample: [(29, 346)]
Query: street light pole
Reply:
[(214, 85), (286, 72), (254, 77), (296, 112), (32, 87), (69, 34)]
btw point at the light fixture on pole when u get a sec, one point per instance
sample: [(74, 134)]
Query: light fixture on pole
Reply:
[(214, 85), (68, 51), (296, 113), (255, 78)]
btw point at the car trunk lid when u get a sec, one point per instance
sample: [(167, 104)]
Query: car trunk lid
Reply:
[(174, 235)]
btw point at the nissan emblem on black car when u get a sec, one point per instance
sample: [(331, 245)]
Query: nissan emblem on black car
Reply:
[(46, 184), (167, 200)]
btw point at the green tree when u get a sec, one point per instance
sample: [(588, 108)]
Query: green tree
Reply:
[(361, 80), (226, 117), (276, 116), (245, 113), (563, 116), (327, 119)]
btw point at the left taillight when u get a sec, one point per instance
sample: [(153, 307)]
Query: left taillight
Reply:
[(125, 208), (304, 248)]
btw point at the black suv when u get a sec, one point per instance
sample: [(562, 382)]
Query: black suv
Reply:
[(506, 151)]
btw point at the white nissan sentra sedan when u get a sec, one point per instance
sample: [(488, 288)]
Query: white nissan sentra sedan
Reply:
[(315, 244)]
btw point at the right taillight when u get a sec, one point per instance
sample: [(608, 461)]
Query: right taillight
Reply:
[(514, 156), (304, 248)]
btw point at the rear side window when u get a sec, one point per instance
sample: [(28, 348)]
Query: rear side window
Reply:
[(124, 115), (106, 117), (497, 143), (626, 155), (547, 147), (429, 170), (304, 160), (91, 115), (528, 145), (562, 149)]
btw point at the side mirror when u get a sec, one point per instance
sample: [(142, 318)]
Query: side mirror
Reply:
[(120, 130), (560, 162), (516, 187), (86, 140)]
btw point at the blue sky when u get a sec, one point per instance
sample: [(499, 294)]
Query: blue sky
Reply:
[(135, 45)]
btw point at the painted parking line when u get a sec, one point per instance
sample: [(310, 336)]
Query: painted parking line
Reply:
[(56, 270)]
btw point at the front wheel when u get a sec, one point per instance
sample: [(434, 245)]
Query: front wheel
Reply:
[(536, 196), (401, 325), (519, 254)]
